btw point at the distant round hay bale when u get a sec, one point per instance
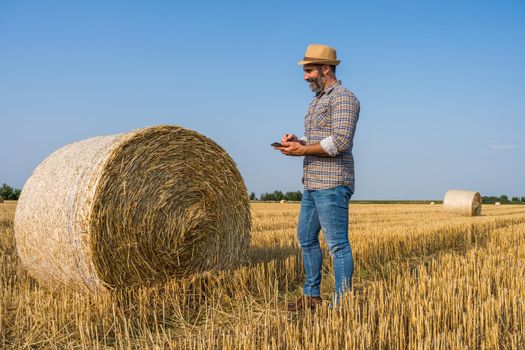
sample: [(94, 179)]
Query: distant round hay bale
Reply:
[(283, 201), (131, 209), (462, 202), (497, 203)]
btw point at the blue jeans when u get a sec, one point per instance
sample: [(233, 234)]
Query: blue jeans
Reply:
[(326, 209)]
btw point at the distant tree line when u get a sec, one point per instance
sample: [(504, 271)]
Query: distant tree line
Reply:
[(278, 196), (503, 199), (297, 196), (9, 193)]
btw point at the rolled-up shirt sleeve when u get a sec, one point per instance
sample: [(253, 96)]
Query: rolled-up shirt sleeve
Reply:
[(328, 145), (344, 121)]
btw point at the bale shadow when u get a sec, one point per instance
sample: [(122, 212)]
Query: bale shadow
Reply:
[(265, 254)]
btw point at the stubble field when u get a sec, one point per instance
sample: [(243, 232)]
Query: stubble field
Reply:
[(423, 280)]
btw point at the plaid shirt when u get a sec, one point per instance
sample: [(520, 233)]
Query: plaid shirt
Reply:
[(332, 117)]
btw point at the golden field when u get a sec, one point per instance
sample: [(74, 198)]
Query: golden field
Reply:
[(423, 280)]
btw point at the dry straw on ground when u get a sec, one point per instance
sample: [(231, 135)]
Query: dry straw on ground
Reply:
[(423, 280), (134, 208), (462, 202)]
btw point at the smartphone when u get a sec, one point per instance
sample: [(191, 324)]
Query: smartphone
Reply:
[(277, 144)]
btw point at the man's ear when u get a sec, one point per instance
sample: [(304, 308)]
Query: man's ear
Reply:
[(326, 70)]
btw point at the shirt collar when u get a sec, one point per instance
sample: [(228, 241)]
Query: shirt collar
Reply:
[(329, 88)]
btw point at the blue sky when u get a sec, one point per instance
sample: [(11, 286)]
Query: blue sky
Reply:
[(441, 84)]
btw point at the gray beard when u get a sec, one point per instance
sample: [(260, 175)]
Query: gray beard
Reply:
[(317, 85)]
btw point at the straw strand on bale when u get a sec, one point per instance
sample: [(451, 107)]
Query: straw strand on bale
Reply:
[(460, 202), (131, 209)]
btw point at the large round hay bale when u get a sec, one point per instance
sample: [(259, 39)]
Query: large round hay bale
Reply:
[(462, 202), (131, 209)]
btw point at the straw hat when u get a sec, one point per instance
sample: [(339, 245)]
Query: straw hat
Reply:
[(320, 54)]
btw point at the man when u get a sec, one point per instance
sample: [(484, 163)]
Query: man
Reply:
[(328, 179)]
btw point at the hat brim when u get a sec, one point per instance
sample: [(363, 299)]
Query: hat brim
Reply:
[(323, 62)]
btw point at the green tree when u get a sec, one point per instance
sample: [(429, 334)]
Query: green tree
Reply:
[(266, 196), (503, 199), (515, 200), (279, 195), (253, 196), (490, 199), (293, 196), (6, 191), (9, 193)]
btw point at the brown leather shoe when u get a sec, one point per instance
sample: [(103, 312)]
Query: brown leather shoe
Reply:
[(304, 302)]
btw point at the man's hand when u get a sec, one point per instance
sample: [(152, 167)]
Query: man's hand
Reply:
[(297, 148), (292, 149), (292, 146), (289, 138)]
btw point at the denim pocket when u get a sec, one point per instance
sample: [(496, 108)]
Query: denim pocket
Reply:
[(345, 194)]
